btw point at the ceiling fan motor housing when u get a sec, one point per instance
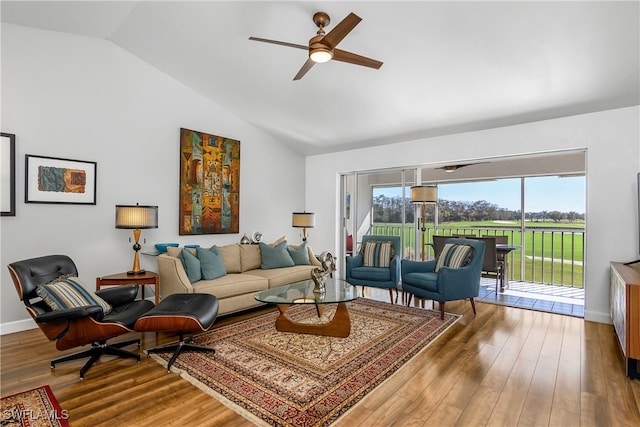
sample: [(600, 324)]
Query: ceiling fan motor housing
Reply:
[(319, 52)]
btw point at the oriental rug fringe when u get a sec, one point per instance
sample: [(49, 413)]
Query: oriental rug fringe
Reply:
[(287, 379)]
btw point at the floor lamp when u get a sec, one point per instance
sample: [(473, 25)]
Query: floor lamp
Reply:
[(423, 194)]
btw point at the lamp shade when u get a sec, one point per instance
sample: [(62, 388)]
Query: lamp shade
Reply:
[(303, 220), (424, 194), (136, 217)]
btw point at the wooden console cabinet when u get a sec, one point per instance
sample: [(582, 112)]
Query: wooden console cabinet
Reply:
[(625, 313)]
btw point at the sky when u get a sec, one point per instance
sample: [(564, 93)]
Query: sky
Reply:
[(541, 193)]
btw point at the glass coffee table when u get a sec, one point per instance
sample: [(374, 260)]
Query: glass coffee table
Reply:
[(336, 291)]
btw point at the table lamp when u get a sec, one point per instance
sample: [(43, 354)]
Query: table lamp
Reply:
[(135, 218), (423, 194), (303, 220)]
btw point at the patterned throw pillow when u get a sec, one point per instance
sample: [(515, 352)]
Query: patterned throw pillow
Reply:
[(377, 254), (454, 256), (68, 292)]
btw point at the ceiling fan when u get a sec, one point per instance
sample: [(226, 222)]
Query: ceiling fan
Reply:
[(453, 168), (322, 48)]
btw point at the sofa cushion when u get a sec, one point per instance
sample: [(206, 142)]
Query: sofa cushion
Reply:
[(278, 241), (191, 265), (175, 251), (284, 276), (231, 257), (377, 274), (250, 258), (427, 281), (211, 263), (377, 254), (276, 256), (454, 256), (68, 292), (299, 254), (232, 285)]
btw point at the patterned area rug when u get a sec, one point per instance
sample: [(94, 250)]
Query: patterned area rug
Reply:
[(37, 408), (287, 379)]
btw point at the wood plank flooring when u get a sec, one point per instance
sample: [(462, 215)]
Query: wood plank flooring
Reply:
[(504, 367)]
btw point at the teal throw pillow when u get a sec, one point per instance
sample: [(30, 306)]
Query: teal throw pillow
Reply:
[(69, 292), (299, 255), (211, 263), (191, 265), (275, 257)]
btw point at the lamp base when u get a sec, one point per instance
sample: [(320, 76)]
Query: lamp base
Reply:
[(133, 273)]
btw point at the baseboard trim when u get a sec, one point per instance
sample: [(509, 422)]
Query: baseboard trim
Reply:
[(596, 316), (17, 326)]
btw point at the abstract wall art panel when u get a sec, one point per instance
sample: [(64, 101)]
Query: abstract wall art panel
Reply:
[(209, 184), (55, 180)]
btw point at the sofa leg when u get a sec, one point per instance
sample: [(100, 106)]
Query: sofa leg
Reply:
[(441, 303), (409, 299), (473, 306), (391, 295)]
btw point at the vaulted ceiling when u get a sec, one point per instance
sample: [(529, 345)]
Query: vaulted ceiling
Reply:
[(448, 66)]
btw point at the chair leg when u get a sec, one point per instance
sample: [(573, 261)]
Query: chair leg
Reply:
[(473, 306), (391, 295), (441, 304), (183, 344), (409, 299), (96, 351)]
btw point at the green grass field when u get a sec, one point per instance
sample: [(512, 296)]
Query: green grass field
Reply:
[(549, 247)]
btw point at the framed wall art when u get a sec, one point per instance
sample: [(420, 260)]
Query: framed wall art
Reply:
[(8, 174), (55, 180), (209, 184)]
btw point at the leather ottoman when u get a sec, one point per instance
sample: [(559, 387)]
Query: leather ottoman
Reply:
[(182, 313)]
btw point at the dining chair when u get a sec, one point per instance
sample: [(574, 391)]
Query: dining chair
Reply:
[(491, 264)]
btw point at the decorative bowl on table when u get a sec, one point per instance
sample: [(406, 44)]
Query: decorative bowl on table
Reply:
[(192, 246), (162, 247)]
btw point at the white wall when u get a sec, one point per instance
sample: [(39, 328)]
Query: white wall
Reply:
[(612, 140), (86, 99)]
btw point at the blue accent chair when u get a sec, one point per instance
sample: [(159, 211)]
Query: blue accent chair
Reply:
[(376, 277), (448, 284)]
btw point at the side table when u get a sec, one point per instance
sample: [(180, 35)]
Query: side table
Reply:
[(118, 279)]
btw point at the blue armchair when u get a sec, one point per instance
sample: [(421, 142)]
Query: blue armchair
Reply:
[(366, 273), (457, 276)]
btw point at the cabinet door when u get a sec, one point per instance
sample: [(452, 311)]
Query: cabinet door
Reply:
[(619, 307)]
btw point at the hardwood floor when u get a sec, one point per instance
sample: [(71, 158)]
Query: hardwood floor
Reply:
[(504, 367)]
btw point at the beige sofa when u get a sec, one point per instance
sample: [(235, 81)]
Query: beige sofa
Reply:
[(235, 290)]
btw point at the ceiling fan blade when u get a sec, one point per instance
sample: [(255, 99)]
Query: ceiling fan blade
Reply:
[(306, 67), (341, 30), (299, 46), (352, 58)]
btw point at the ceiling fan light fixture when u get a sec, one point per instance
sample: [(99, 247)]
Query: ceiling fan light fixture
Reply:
[(320, 54)]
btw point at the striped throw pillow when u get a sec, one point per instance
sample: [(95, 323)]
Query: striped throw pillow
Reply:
[(454, 256), (68, 292), (377, 254)]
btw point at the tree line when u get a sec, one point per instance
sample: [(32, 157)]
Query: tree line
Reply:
[(389, 210)]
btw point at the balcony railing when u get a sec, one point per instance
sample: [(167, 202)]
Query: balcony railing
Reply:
[(547, 255)]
